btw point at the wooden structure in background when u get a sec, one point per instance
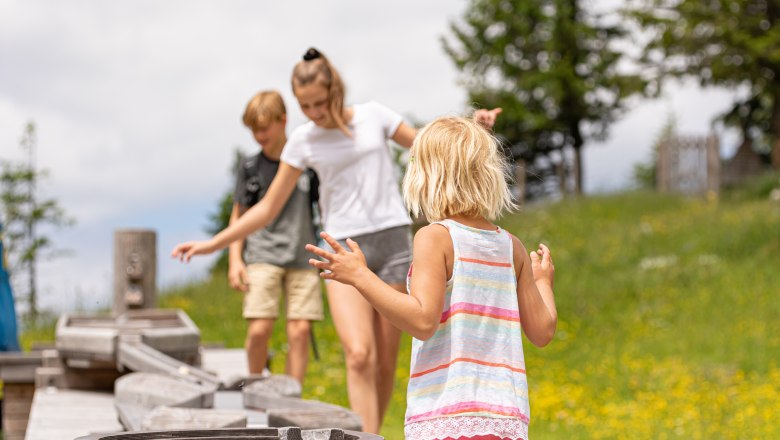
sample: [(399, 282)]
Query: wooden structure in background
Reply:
[(135, 270), (689, 165), (17, 371)]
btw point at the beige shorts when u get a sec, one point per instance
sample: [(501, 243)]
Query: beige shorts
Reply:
[(303, 298)]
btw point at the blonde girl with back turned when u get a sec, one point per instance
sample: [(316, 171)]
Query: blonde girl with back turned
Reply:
[(472, 289)]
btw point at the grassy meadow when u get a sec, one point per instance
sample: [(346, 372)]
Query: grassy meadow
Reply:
[(669, 319)]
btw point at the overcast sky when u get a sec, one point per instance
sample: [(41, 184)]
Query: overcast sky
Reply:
[(138, 107)]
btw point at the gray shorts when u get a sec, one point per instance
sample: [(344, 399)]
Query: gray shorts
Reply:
[(388, 252)]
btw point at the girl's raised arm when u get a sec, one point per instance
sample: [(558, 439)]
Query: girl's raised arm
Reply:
[(538, 313), (404, 134), (257, 217)]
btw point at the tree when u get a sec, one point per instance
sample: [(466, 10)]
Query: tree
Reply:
[(552, 67), (729, 43), (25, 213)]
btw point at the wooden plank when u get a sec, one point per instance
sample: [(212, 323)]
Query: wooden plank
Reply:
[(140, 357), (19, 367), (277, 384), (15, 426), (77, 341), (314, 418), (234, 401), (16, 408), (69, 414), (291, 411), (18, 390), (165, 417), (150, 390), (228, 364)]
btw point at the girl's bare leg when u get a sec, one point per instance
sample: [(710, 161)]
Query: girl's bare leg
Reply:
[(388, 339), (353, 317)]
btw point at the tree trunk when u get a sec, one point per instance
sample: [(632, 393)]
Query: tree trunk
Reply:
[(520, 176), (776, 131), (577, 169)]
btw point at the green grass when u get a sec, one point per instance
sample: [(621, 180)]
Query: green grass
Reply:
[(668, 319)]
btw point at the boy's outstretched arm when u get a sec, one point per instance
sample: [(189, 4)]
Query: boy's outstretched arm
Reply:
[(257, 217), (538, 314), (418, 313)]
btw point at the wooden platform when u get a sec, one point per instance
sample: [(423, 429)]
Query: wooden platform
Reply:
[(61, 414), (69, 414)]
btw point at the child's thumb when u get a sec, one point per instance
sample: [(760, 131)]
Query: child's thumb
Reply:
[(534, 257)]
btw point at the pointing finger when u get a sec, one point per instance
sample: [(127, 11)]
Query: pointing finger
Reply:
[(337, 248), (320, 252)]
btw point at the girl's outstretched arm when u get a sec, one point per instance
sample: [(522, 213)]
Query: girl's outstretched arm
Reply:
[(257, 217), (535, 297), (487, 117), (418, 313), (404, 135)]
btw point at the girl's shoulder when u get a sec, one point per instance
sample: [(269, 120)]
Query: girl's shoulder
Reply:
[(519, 253), (374, 109), (437, 230), (433, 236)]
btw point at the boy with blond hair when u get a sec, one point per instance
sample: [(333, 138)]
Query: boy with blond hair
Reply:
[(273, 259)]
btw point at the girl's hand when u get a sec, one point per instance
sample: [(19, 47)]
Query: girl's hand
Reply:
[(542, 265), (185, 251), (344, 266), (487, 117)]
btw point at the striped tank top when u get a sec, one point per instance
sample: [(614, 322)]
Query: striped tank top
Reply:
[(468, 380)]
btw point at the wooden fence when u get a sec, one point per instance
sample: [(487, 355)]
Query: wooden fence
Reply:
[(689, 165)]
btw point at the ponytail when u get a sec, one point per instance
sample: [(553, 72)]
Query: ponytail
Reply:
[(315, 67)]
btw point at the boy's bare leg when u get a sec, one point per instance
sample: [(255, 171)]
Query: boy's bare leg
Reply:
[(258, 334), (298, 342), (388, 340), (353, 317)]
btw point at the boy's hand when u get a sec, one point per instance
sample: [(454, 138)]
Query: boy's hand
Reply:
[(542, 265), (344, 266), (487, 117), (185, 251), (237, 276)]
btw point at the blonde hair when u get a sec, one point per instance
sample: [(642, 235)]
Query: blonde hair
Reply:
[(455, 167), (265, 107), (315, 68)]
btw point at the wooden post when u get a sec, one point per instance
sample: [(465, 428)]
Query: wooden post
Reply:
[(520, 176), (713, 165), (135, 270)]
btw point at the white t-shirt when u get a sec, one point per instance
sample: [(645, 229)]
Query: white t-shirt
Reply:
[(359, 188)]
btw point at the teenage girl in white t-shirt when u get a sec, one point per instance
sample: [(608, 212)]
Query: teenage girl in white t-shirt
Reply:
[(360, 199)]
